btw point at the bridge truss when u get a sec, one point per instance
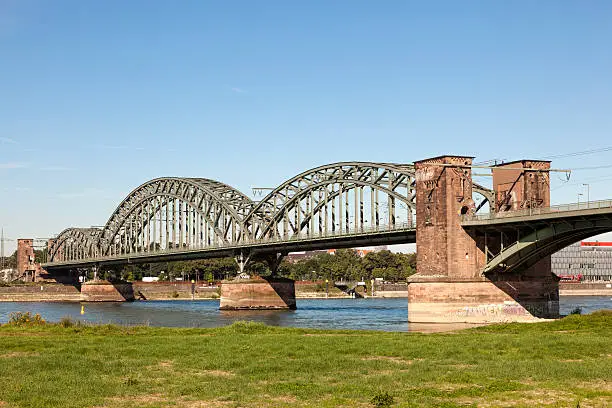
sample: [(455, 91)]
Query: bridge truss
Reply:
[(182, 214)]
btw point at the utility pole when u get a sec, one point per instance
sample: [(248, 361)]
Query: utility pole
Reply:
[(2, 248), (2, 241)]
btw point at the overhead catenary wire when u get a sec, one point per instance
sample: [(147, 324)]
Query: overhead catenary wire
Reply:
[(579, 153)]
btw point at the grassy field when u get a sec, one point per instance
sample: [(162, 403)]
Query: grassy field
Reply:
[(557, 364)]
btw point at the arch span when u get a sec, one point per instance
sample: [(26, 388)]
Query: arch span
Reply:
[(74, 243), (338, 197), (193, 213), (167, 213)]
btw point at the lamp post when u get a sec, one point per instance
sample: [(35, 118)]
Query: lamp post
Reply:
[(579, 194), (588, 186)]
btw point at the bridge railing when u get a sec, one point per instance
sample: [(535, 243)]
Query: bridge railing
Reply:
[(587, 205), (298, 237)]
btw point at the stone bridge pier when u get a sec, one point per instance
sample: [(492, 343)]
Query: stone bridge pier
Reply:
[(255, 292), (449, 285)]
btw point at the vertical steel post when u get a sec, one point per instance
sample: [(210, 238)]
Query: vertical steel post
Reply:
[(326, 203), (333, 212), (376, 209), (321, 212), (149, 220), (154, 219), (275, 224), (361, 220), (167, 224), (340, 212), (356, 221), (173, 223), (372, 223), (181, 224), (286, 223), (391, 201), (298, 217), (346, 211), (311, 214)]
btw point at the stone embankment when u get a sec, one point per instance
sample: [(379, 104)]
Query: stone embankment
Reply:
[(585, 289), (40, 293), (54, 292), (175, 290)]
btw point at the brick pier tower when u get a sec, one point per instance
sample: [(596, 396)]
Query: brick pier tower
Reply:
[(26, 266), (449, 285)]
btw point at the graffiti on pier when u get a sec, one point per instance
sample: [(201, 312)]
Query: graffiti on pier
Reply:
[(496, 309)]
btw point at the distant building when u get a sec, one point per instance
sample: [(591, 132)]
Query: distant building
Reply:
[(584, 261)]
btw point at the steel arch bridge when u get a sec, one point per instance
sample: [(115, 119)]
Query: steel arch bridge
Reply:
[(336, 205)]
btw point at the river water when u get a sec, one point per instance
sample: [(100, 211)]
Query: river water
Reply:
[(360, 314)]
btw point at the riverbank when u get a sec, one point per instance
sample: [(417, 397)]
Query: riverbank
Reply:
[(54, 292), (585, 289), (560, 363)]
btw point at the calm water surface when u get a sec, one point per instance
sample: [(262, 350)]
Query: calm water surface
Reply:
[(360, 314)]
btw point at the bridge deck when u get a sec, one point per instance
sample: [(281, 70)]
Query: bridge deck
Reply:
[(532, 216), (400, 234)]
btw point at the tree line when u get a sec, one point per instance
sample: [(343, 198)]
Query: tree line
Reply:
[(345, 264)]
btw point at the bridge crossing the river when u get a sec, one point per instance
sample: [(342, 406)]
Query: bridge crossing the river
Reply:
[(501, 256), (333, 206)]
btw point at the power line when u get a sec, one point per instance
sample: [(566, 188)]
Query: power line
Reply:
[(554, 156), (580, 153), (604, 166)]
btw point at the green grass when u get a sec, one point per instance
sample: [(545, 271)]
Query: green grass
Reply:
[(556, 364)]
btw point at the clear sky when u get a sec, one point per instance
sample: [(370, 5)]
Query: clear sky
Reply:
[(99, 96)]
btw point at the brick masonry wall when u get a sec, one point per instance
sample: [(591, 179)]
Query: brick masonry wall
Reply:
[(443, 193), (25, 255)]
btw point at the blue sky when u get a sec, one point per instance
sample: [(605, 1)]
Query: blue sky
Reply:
[(97, 97)]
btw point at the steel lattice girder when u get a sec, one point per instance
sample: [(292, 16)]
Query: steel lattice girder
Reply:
[(83, 240), (349, 175), (209, 198), (213, 200), (546, 240)]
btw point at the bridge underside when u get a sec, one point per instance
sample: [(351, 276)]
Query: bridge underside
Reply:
[(517, 244), (398, 236)]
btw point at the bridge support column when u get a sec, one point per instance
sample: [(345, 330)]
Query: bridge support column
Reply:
[(449, 286), (258, 293), (26, 266)]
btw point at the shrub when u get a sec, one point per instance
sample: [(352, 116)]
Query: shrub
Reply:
[(383, 399), (576, 311), (174, 294), (67, 321), (25, 319)]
